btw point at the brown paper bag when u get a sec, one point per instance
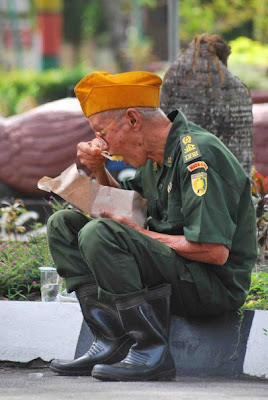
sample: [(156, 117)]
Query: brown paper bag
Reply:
[(93, 198)]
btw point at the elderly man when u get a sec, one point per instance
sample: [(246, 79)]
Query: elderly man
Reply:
[(195, 256)]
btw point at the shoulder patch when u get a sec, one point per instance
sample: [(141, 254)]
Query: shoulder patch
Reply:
[(189, 147), (199, 183), (197, 164)]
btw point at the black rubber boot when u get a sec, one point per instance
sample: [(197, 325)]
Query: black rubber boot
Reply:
[(111, 344), (146, 320)]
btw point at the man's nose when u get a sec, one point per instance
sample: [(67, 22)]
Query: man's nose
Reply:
[(102, 141)]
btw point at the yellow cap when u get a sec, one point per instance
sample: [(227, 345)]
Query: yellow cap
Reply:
[(101, 91)]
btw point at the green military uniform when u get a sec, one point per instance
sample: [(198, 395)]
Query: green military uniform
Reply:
[(201, 192)]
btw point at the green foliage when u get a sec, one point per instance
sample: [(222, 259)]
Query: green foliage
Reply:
[(83, 19), (253, 78), (259, 190), (11, 213), (258, 294), (93, 20), (147, 3), (222, 17), (57, 204), (40, 87), (248, 61), (195, 18), (72, 18), (142, 48), (15, 86), (248, 51), (19, 263)]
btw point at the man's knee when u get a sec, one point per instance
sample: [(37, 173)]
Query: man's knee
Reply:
[(65, 225), (98, 233), (58, 217), (65, 218)]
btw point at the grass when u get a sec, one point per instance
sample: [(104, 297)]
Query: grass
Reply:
[(258, 295)]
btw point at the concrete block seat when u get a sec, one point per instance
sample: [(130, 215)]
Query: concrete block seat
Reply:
[(230, 344)]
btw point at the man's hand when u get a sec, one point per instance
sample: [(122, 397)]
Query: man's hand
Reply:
[(89, 154), (121, 220), (211, 253)]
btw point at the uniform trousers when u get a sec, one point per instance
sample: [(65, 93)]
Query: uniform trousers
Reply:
[(121, 260)]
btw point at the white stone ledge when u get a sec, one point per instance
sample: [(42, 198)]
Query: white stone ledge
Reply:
[(31, 330), (256, 357)]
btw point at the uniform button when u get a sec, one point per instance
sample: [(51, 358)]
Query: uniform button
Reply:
[(160, 186)]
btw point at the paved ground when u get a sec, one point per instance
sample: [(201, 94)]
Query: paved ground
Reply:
[(41, 384)]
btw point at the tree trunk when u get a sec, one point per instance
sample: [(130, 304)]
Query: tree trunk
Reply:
[(155, 22), (117, 27), (202, 87)]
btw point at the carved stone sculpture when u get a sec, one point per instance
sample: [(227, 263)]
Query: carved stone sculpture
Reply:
[(201, 86), (41, 142)]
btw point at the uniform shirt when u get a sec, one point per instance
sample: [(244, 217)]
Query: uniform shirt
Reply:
[(202, 192)]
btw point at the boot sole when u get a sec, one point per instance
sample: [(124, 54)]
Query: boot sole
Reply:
[(71, 373), (120, 353), (161, 376)]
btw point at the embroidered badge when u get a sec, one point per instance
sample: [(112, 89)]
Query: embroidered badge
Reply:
[(197, 164), (199, 183), (169, 160), (186, 139), (169, 188), (155, 166), (189, 148)]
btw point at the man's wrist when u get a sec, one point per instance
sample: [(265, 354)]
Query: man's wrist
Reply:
[(99, 169)]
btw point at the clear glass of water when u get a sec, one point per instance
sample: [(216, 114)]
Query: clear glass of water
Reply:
[(50, 285)]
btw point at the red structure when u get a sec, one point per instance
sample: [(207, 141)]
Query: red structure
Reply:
[(50, 26)]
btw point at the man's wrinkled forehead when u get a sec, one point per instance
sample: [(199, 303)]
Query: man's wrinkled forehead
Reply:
[(99, 120)]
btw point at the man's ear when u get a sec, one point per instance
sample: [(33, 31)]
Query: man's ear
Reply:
[(134, 118)]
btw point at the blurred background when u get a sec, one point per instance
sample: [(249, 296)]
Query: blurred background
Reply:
[(46, 46)]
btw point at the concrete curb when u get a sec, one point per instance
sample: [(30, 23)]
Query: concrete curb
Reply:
[(31, 330), (228, 344)]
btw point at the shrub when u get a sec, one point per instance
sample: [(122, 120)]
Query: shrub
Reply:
[(248, 51), (19, 263), (258, 294), (248, 61), (11, 213), (21, 90), (259, 191)]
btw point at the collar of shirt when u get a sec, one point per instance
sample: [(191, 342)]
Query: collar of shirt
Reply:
[(179, 126)]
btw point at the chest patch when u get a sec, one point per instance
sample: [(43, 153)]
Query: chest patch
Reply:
[(189, 148), (197, 164), (199, 183)]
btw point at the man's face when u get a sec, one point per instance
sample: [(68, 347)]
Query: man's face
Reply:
[(119, 137), (102, 134)]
